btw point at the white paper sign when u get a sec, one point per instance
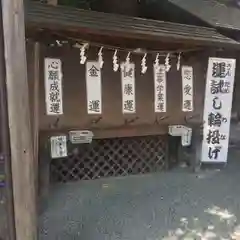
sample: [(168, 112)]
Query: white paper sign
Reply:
[(217, 109), (160, 96), (80, 137), (58, 146), (187, 88), (176, 130), (128, 88), (181, 131), (94, 88), (53, 86)]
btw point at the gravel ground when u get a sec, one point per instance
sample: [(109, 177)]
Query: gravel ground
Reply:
[(3, 216), (173, 205)]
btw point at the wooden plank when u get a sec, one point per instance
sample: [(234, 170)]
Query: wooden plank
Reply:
[(19, 121), (60, 19)]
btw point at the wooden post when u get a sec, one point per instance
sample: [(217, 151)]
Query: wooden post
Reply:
[(36, 109), (4, 140), (19, 121)]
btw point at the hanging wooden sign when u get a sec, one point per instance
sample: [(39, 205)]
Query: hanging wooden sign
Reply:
[(94, 87), (217, 109), (181, 131), (59, 146), (187, 89), (128, 88), (53, 86), (160, 89)]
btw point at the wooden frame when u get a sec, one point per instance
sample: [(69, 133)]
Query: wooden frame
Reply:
[(23, 171)]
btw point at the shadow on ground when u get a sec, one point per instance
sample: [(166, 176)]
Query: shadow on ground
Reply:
[(173, 205)]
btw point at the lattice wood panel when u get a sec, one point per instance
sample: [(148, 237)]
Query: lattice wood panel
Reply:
[(111, 157)]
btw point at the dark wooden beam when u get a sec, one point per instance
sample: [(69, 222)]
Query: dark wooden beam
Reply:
[(19, 121)]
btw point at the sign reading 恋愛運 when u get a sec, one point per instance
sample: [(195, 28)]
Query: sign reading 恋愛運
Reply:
[(217, 109), (187, 89), (128, 87), (94, 87), (160, 96), (53, 86)]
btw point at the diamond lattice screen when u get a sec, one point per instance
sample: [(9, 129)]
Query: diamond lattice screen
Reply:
[(111, 158)]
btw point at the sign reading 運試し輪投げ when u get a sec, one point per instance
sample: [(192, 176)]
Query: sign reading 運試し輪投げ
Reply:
[(217, 109)]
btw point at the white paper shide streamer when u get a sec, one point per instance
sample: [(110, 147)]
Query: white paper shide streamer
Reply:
[(115, 61), (167, 63), (94, 87), (179, 61), (156, 62), (143, 64), (100, 57), (53, 86), (127, 61), (83, 57)]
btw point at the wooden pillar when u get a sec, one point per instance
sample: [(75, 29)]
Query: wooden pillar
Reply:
[(35, 110), (19, 120), (5, 142)]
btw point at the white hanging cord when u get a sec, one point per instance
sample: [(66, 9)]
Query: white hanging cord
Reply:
[(115, 61), (128, 58), (71, 40), (100, 57), (127, 62), (157, 63), (179, 61), (143, 64), (83, 48), (167, 62)]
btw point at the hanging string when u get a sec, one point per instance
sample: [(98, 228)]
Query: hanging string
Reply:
[(143, 64), (115, 61), (75, 41), (83, 47), (100, 57)]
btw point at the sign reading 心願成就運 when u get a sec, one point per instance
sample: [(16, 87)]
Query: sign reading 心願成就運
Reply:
[(53, 86)]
